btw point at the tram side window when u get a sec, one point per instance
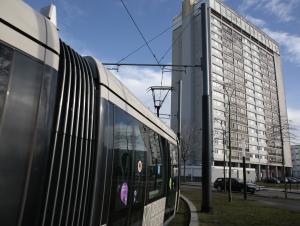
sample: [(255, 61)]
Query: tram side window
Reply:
[(172, 180), (129, 161), (174, 164), (155, 168), (6, 55)]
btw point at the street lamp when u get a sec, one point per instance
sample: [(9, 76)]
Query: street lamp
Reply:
[(244, 170)]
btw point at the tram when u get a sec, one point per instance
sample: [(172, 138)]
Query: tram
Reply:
[(76, 146)]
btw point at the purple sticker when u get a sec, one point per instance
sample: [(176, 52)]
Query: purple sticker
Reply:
[(124, 193)]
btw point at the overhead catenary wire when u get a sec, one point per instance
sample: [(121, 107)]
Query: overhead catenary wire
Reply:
[(154, 38), (139, 30), (175, 41), (154, 65), (143, 45), (154, 56), (147, 42)]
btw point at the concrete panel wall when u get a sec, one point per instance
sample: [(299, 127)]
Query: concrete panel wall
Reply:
[(187, 49), (282, 109)]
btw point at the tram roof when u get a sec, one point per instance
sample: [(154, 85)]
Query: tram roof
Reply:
[(120, 94)]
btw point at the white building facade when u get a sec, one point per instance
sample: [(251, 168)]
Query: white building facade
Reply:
[(296, 160), (246, 74)]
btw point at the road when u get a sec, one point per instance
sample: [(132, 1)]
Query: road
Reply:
[(271, 197)]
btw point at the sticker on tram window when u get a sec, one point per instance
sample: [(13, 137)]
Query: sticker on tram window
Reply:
[(140, 166), (124, 193), (158, 169), (170, 183), (135, 196)]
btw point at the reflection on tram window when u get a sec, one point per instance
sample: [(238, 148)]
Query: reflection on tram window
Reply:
[(173, 178), (155, 185), (129, 159), (5, 66)]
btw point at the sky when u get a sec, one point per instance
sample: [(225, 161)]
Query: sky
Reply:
[(103, 29)]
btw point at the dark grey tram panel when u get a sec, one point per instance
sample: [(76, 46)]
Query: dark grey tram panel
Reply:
[(24, 134), (71, 167)]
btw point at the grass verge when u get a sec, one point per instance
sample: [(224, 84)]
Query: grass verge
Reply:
[(240, 212)]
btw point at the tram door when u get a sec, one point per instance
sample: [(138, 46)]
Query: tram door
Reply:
[(129, 171)]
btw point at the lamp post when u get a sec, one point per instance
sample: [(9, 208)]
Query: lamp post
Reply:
[(244, 170)]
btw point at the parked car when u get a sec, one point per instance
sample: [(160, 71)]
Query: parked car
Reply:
[(282, 180), (272, 180), (236, 185), (292, 180)]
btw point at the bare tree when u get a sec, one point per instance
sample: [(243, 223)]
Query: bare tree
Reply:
[(229, 89), (185, 148), (285, 132), (223, 138)]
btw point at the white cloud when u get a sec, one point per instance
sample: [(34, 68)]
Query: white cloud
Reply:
[(247, 4), (139, 79), (290, 43), (69, 11), (256, 21), (294, 118), (281, 9), (76, 44)]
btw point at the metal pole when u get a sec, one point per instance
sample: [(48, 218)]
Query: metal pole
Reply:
[(284, 178), (229, 159), (244, 170), (244, 177), (206, 117), (179, 126), (157, 111), (179, 109), (283, 162), (224, 157)]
